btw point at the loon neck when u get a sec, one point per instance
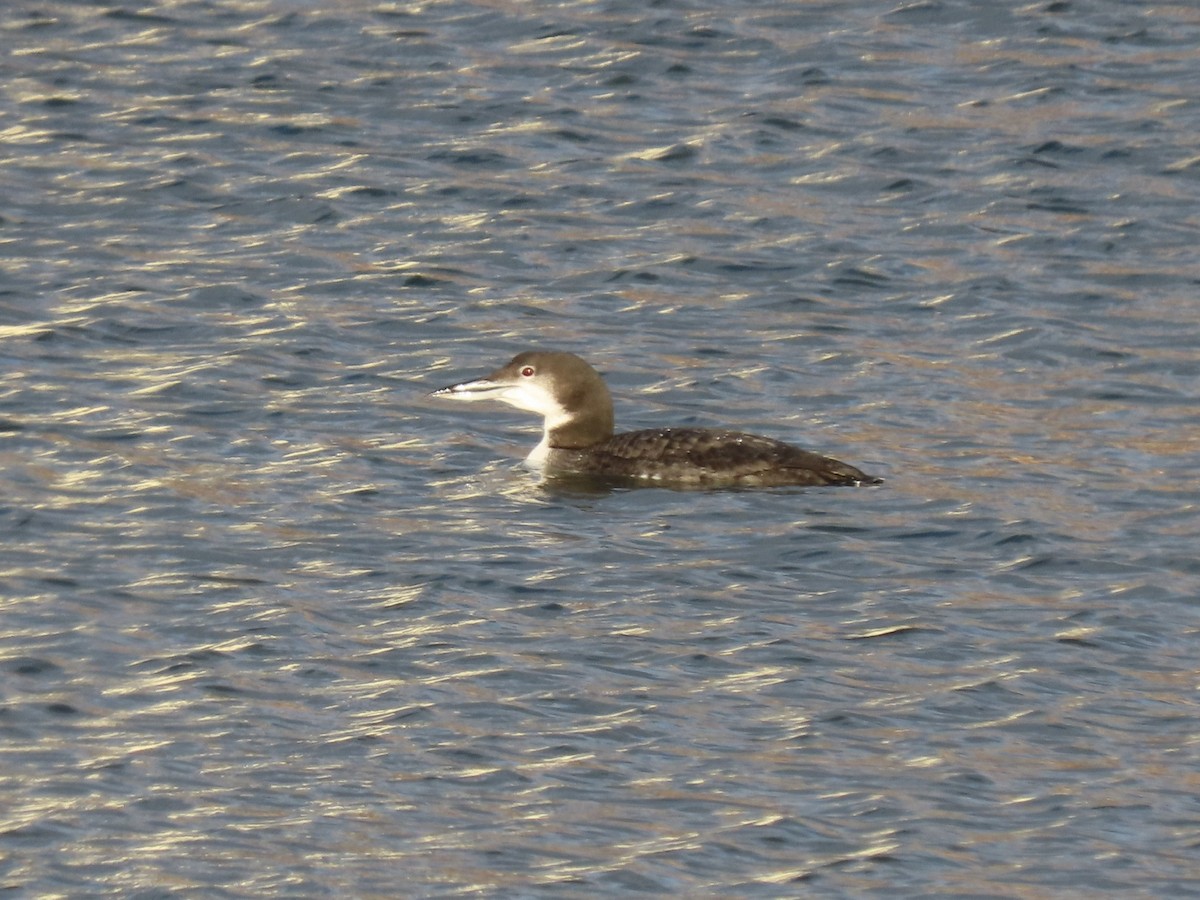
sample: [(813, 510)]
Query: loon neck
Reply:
[(575, 432), (584, 416)]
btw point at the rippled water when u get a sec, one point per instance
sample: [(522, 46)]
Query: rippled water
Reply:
[(273, 623)]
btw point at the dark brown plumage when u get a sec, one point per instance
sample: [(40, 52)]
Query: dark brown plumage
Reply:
[(702, 456)]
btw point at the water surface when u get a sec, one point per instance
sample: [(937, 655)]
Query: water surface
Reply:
[(272, 623)]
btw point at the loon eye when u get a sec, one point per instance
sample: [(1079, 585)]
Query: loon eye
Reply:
[(527, 371)]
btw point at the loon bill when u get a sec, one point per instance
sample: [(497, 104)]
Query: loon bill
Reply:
[(578, 438)]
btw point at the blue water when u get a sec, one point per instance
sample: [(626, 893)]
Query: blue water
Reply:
[(274, 623)]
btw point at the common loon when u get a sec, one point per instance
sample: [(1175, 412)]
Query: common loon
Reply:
[(578, 434)]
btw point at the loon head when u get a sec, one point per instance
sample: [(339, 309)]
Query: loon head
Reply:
[(568, 394)]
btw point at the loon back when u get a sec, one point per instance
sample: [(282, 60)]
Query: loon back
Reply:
[(703, 456)]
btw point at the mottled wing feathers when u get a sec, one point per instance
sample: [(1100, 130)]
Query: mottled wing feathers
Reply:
[(703, 456)]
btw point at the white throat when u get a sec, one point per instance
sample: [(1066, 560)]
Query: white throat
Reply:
[(553, 418), (537, 400), (540, 454)]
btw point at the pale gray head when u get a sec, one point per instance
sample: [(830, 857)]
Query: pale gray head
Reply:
[(565, 391)]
